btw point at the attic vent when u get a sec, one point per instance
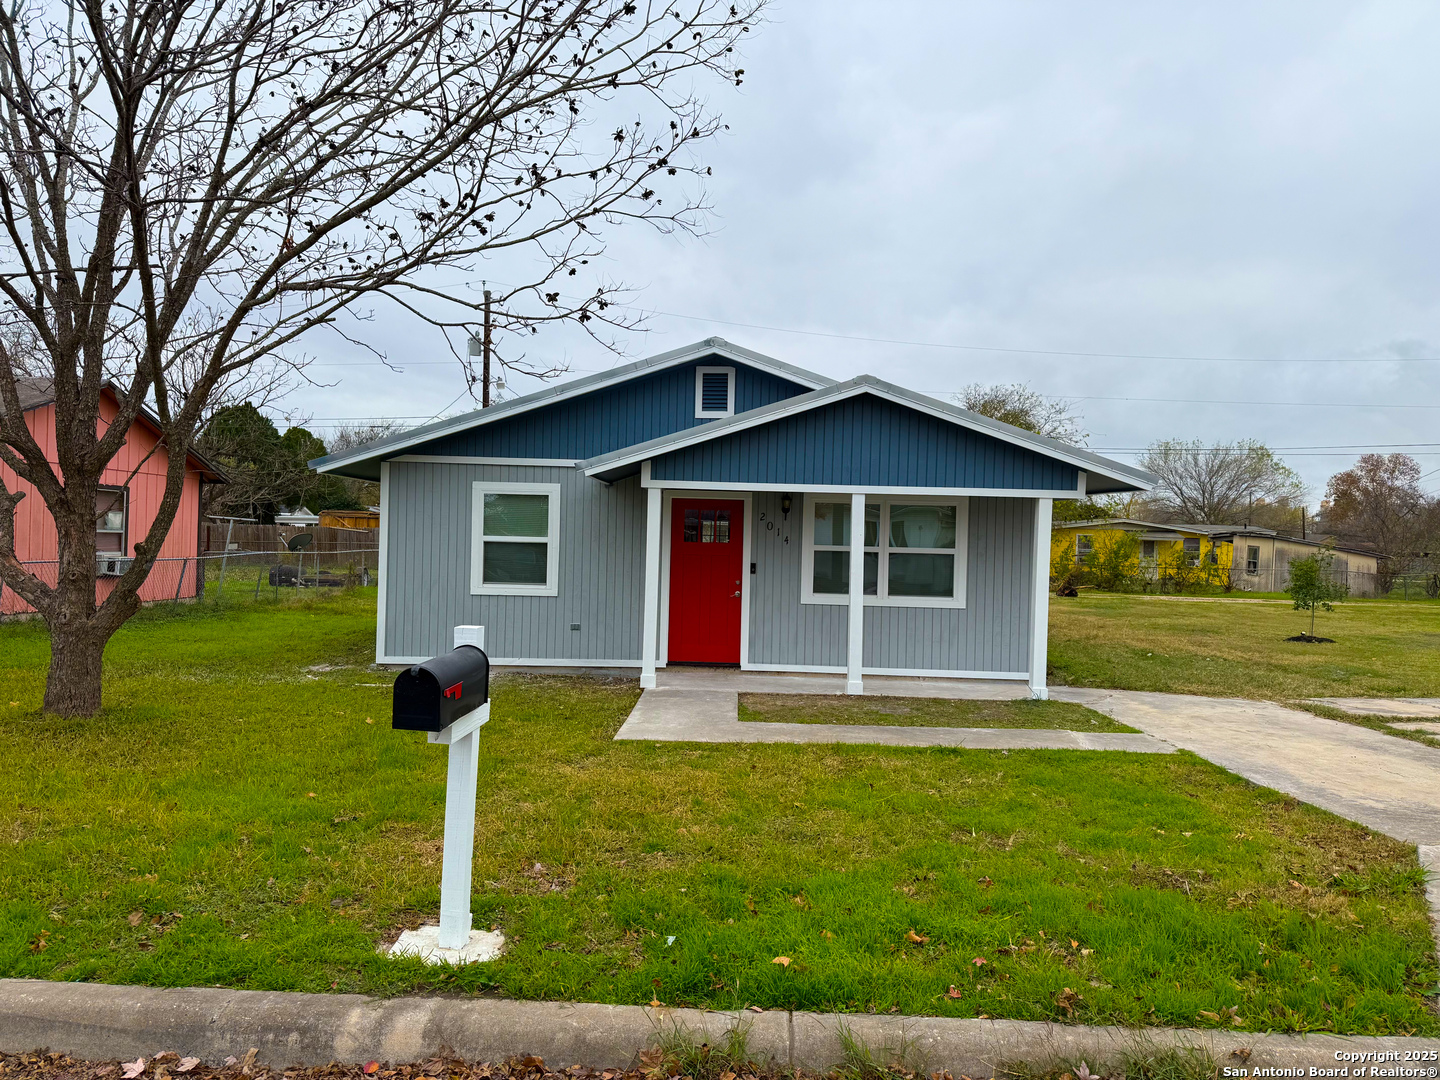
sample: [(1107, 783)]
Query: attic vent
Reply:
[(714, 392)]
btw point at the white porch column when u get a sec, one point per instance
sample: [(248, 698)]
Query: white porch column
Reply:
[(1040, 601), (854, 684), (651, 632)]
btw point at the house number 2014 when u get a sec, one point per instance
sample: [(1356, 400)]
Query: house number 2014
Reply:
[(770, 527)]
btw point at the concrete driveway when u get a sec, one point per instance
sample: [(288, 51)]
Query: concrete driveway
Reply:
[(1390, 784)]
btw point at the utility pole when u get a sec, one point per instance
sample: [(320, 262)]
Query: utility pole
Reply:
[(485, 354)]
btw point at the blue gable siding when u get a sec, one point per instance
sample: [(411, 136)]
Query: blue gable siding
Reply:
[(865, 441), (636, 411)]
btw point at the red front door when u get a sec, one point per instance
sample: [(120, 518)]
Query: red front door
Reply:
[(706, 568)]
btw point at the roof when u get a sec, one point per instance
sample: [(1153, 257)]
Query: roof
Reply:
[(1123, 477), (712, 346), (36, 392)]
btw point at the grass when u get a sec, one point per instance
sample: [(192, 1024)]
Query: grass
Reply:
[(235, 819), (922, 712), (1382, 649)]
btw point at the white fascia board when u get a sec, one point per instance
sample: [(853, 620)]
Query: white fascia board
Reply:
[(841, 392), (566, 391)]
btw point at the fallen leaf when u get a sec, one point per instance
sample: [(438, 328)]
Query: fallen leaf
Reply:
[(656, 1003), (132, 1069), (1074, 944), (136, 917), (783, 961), (533, 1062), (368, 720), (953, 993), (827, 935), (985, 882), (310, 794), (371, 1067), (918, 939), (186, 1064), (755, 1008), (1208, 1015), (1187, 834)]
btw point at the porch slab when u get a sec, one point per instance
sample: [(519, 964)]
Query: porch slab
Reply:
[(1398, 707), (781, 682), (690, 714)]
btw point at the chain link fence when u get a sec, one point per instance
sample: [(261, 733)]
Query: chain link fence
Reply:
[(228, 577)]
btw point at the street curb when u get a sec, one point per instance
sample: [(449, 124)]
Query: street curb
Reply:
[(96, 1022)]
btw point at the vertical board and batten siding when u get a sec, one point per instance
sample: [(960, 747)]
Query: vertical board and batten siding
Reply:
[(991, 633), (865, 441), (633, 412), (427, 579), (139, 467)]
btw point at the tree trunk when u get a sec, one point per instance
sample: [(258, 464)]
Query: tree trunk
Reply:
[(77, 650)]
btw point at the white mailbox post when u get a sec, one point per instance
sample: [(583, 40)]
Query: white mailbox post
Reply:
[(454, 941)]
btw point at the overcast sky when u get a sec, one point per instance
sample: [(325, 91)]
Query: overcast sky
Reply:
[(1216, 180)]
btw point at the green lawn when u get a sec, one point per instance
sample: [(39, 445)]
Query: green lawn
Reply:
[(922, 712), (234, 819), (1382, 648)]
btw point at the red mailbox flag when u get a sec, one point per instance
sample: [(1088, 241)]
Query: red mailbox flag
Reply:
[(454, 691)]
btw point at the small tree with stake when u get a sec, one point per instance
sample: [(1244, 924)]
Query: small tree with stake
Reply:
[(1312, 586)]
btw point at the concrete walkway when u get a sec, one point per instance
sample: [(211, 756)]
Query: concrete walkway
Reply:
[(1401, 708), (1392, 785)]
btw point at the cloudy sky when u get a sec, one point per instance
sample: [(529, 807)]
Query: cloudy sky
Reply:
[(1006, 187)]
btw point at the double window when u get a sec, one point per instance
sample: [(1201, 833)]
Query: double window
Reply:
[(914, 551), (515, 539)]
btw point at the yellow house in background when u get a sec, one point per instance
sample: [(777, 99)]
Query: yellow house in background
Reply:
[(1224, 556)]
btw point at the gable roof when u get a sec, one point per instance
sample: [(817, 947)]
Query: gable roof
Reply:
[(39, 391), (1113, 475), (713, 346)]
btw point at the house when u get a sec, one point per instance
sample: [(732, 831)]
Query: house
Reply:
[(697, 506), (132, 487), (299, 518), (1227, 556)]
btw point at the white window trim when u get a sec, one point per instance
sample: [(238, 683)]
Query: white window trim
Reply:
[(478, 490), (962, 552), (700, 412)]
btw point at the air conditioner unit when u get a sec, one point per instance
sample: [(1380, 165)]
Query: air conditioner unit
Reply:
[(107, 565)]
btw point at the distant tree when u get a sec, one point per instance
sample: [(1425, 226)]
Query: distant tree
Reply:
[(352, 436), (268, 471), (1312, 586), (1378, 503), (1018, 405), (1217, 484)]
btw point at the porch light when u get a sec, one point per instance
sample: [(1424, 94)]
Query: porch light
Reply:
[(786, 502)]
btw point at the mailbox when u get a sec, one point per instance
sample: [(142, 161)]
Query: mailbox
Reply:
[(433, 695)]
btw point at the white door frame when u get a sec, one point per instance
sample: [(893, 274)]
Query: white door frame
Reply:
[(662, 645)]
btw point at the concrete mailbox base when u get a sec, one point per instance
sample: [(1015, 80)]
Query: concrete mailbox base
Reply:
[(425, 943)]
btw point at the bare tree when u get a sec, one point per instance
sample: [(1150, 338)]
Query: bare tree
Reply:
[(1017, 404), (1218, 484), (1379, 503), (187, 187)]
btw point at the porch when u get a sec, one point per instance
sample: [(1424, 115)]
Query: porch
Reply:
[(938, 588)]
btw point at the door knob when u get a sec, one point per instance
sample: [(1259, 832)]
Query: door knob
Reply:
[(736, 593)]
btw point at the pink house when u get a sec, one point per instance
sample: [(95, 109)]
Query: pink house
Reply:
[(132, 487)]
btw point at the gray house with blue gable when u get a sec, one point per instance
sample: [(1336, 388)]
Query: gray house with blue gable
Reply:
[(712, 505)]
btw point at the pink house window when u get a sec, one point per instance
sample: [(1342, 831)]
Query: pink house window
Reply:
[(110, 520)]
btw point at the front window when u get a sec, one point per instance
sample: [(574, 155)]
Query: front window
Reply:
[(514, 539), (914, 551), (1084, 545), (110, 520), (1192, 550), (1252, 559)]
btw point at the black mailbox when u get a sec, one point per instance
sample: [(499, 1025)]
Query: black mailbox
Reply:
[(433, 695)]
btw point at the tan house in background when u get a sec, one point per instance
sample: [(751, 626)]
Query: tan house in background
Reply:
[(1262, 560)]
